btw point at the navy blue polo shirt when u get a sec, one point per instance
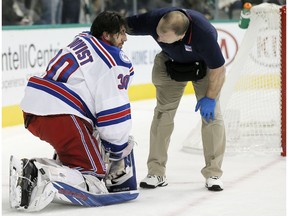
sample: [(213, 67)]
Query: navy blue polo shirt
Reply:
[(199, 42)]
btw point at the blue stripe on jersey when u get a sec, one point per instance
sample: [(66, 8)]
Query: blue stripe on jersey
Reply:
[(119, 56), (41, 86), (113, 116), (113, 110), (116, 56), (101, 55), (116, 121), (115, 150)]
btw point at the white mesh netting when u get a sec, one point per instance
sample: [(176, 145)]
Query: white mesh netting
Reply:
[(250, 98)]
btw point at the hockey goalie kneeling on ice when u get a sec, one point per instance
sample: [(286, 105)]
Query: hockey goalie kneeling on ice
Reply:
[(83, 91), (37, 182)]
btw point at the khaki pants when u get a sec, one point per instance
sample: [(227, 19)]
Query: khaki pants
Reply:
[(168, 94)]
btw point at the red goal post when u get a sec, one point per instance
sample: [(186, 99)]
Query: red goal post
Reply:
[(253, 98)]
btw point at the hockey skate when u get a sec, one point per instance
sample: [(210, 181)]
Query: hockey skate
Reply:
[(153, 181), (23, 178)]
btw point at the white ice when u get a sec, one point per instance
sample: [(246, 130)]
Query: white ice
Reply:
[(255, 184)]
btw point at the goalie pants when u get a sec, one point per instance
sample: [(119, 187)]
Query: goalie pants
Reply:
[(168, 94), (72, 139)]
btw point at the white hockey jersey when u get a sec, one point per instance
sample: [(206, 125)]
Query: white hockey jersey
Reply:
[(89, 79)]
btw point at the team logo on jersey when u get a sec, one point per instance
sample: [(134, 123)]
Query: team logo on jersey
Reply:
[(123, 57)]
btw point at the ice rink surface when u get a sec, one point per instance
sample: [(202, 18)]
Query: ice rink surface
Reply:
[(254, 183)]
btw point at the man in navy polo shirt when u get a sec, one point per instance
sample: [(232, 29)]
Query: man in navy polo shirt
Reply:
[(190, 52)]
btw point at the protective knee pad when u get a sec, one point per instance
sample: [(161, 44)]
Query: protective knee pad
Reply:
[(122, 175)]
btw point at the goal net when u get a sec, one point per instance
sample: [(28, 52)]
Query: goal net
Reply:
[(253, 98)]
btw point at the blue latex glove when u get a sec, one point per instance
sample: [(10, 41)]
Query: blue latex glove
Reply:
[(207, 107)]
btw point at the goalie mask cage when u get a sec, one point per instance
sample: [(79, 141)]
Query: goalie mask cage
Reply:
[(253, 98)]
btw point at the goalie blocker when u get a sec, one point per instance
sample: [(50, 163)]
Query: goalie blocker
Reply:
[(122, 175), (35, 183)]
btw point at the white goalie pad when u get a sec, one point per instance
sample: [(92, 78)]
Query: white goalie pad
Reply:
[(41, 196), (43, 190), (54, 171)]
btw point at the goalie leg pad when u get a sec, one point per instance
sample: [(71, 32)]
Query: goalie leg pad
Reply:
[(25, 191), (31, 182), (56, 172), (122, 175), (51, 170)]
